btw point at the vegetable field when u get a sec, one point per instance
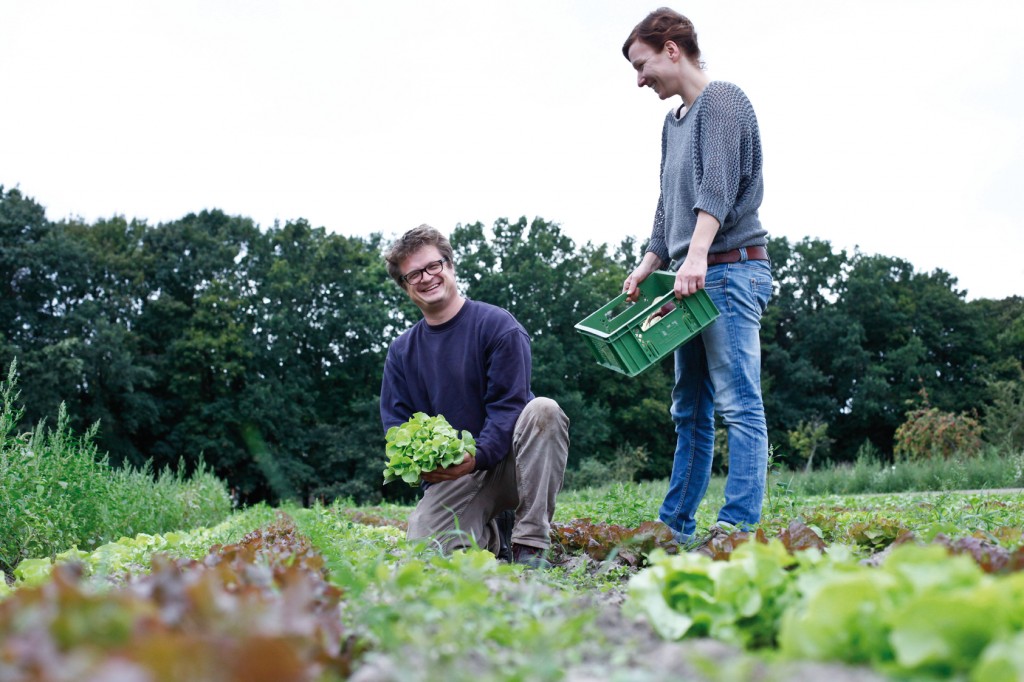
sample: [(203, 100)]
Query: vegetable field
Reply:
[(911, 586)]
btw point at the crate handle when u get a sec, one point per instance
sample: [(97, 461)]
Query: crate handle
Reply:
[(615, 303)]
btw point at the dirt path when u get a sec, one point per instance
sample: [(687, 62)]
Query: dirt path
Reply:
[(984, 491)]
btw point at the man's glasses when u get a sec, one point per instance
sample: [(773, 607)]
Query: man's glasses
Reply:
[(431, 269)]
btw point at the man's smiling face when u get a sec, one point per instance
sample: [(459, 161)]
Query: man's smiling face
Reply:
[(431, 293)]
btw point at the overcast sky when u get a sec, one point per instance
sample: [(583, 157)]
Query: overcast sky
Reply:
[(890, 126)]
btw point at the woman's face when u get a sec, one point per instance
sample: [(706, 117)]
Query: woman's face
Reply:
[(654, 68)]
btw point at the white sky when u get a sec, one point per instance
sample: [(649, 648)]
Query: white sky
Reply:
[(892, 125)]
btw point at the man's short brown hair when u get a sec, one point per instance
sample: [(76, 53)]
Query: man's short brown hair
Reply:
[(411, 242)]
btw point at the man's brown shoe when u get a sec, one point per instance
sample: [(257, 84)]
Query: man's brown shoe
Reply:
[(532, 557)]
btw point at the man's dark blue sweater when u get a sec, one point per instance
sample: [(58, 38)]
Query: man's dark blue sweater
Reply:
[(474, 369)]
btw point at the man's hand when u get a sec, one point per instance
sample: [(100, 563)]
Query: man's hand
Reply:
[(468, 466)]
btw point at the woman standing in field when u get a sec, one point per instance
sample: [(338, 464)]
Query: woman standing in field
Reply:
[(706, 228)]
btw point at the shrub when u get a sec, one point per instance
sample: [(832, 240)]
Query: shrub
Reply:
[(929, 433), (593, 473), (808, 439)]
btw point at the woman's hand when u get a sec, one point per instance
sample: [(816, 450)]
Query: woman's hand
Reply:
[(691, 276), (694, 270), (649, 264)]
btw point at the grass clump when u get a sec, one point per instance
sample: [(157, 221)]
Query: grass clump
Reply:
[(57, 491), (987, 468)]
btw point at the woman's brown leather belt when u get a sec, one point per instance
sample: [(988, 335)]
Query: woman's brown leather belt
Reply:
[(735, 256)]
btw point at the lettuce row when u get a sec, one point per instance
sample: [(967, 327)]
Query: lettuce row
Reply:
[(133, 554), (922, 613)]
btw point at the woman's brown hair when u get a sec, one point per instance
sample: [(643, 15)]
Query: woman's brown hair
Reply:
[(661, 26)]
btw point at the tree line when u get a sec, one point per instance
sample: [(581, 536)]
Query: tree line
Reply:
[(259, 350)]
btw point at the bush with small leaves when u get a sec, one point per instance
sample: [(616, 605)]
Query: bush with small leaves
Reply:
[(931, 433)]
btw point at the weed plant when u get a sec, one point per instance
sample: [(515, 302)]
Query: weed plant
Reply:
[(58, 492)]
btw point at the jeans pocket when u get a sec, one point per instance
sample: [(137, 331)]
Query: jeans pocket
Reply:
[(762, 290), (715, 281), (761, 284)]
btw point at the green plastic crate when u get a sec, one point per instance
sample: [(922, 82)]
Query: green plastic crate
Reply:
[(614, 331)]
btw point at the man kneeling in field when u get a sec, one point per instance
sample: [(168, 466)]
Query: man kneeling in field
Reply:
[(470, 361)]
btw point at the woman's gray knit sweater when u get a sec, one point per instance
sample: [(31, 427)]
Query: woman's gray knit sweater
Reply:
[(710, 161)]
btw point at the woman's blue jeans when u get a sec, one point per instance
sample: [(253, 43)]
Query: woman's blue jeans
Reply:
[(720, 371)]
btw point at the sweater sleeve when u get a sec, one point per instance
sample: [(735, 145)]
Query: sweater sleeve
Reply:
[(722, 155), (509, 365), (657, 244), (395, 407)]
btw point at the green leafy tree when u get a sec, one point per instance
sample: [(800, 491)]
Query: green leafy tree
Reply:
[(1002, 324), (918, 333), (812, 349), (262, 350), (1004, 417), (326, 313), (70, 311), (22, 225), (195, 324)]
